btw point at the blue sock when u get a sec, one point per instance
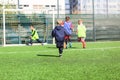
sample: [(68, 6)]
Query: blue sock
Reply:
[(70, 44)]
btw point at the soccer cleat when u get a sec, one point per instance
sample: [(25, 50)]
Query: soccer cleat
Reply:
[(60, 55), (70, 46), (42, 44), (28, 44), (84, 47)]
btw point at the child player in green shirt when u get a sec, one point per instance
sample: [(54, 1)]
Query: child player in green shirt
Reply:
[(81, 33)]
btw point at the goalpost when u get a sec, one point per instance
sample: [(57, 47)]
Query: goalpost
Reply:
[(26, 12)]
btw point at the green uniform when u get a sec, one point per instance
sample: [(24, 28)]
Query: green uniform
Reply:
[(34, 34), (81, 31)]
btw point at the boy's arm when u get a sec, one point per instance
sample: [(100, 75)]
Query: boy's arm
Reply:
[(53, 33), (33, 33)]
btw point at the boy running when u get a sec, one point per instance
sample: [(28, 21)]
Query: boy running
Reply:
[(59, 33), (34, 35)]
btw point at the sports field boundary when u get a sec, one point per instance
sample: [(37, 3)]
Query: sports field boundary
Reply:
[(35, 44), (70, 49)]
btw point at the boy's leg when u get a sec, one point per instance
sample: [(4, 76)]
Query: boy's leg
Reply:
[(31, 41), (60, 47), (60, 51), (83, 42), (70, 42), (64, 46), (39, 41), (66, 42)]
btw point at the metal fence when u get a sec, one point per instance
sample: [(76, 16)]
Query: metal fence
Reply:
[(99, 27)]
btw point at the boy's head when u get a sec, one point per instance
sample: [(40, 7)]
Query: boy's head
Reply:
[(80, 21), (67, 18), (31, 27), (60, 22)]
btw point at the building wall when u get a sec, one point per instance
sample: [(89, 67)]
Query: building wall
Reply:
[(70, 6), (46, 4), (100, 6), (39, 4), (67, 7)]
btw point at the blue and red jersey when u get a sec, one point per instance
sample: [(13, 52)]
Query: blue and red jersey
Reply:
[(68, 26)]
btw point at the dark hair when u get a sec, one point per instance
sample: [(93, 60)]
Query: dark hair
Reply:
[(67, 17)]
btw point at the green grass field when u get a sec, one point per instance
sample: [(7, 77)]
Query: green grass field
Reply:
[(99, 61)]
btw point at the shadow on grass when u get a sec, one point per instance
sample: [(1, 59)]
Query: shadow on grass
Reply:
[(68, 47), (52, 47), (47, 55), (72, 47)]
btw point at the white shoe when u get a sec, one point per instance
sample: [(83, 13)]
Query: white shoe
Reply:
[(60, 55)]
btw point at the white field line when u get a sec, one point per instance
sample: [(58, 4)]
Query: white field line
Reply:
[(103, 42), (97, 48), (11, 45), (87, 49)]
